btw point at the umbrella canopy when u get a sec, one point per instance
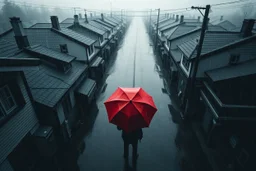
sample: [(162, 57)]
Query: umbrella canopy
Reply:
[(130, 108)]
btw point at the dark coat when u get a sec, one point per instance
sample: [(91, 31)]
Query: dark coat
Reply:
[(133, 136)]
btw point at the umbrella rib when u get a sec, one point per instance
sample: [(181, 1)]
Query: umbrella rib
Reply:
[(145, 104)]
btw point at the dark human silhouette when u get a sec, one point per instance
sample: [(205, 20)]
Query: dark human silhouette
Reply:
[(131, 138)]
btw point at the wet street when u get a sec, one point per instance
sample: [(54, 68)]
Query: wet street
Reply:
[(135, 65)]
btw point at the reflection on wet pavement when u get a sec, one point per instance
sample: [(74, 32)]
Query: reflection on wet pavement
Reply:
[(167, 144)]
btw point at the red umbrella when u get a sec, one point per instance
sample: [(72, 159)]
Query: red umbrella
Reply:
[(130, 108)]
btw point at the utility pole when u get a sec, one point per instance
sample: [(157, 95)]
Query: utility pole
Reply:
[(157, 24), (190, 86)]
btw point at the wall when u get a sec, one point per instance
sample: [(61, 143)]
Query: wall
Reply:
[(18, 126), (6, 166), (222, 59)]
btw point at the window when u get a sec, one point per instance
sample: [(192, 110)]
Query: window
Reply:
[(66, 106), (234, 58), (64, 48), (7, 102), (185, 63), (66, 67)]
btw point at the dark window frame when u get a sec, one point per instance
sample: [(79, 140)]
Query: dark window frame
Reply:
[(64, 48)]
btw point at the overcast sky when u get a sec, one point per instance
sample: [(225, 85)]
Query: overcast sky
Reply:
[(125, 4)]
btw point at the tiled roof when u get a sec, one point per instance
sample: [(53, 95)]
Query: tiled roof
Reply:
[(44, 36), (169, 26), (226, 25), (181, 29), (106, 20), (188, 47), (233, 71), (166, 23), (7, 48), (76, 36), (85, 32), (49, 25), (100, 26), (48, 85), (71, 20), (39, 49), (212, 41), (92, 28), (103, 23)]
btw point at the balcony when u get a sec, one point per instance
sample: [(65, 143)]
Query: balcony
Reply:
[(226, 112)]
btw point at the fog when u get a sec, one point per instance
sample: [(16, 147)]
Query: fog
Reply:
[(33, 11)]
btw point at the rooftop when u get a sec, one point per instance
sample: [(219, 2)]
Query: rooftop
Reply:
[(49, 25)]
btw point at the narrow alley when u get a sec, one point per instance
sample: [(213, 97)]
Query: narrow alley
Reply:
[(104, 145)]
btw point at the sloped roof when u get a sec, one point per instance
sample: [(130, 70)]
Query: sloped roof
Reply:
[(41, 50), (227, 25), (49, 25), (233, 71), (100, 26), (49, 85), (188, 47), (85, 32), (76, 36), (92, 28), (106, 20), (212, 41), (7, 48), (170, 26), (71, 20), (181, 29), (103, 23)]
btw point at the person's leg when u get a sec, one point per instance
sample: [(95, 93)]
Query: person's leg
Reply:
[(126, 149), (135, 149)]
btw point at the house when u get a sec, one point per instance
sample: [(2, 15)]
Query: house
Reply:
[(219, 49), (227, 25), (57, 86), (95, 33), (21, 149), (228, 114), (63, 40)]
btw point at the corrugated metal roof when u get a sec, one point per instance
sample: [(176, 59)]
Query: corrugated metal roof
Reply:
[(86, 87), (71, 20), (49, 85), (176, 54), (233, 71), (7, 48), (74, 35), (110, 22), (165, 23), (49, 25), (50, 53)]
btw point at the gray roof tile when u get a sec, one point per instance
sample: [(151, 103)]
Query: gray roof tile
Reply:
[(49, 85), (39, 49), (7, 48), (76, 36), (233, 71), (49, 25), (212, 41), (92, 28)]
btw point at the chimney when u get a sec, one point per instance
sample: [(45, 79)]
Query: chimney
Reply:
[(247, 27), (80, 15), (91, 15), (177, 18), (76, 21), (19, 34), (181, 18), (55, 22), (102, 17), (85, 18), (198, 19), (221, 18)]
